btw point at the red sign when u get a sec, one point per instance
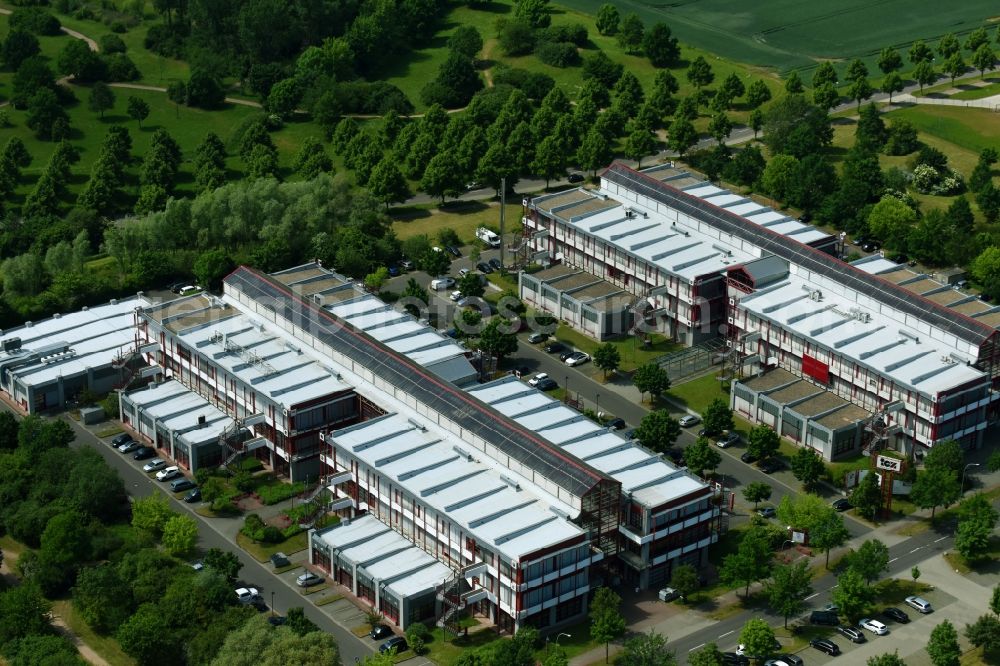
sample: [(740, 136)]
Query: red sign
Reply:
[(816, 369)]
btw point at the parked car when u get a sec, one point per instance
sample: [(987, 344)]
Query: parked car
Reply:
[(453, 251), (871, 246), (193, 495), (748, 457), (741, 649), (842, 504), (616, 423), (248, 595), (154, 464), (897, 615), (825, 645), (443, 282), (555, 348), (495, 264), (279, 560), (380, 632), (397, 642), (790, 659), (180, 485), (852, 634), (733, 659), (874, 626), (537, 378), (535, 338), (766, 512), (728, 440), (406, 265), (577, 358), (547, 384), (168, 473), (118, 440), (484, 268), (824, 617), (575, 177), (393, 271), (144, 452), (129, 447), (769, 465), (688, 421), (832, 608), (668, 594), (308, 579), (920, 604)]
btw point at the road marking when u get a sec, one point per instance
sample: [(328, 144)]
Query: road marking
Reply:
[(696, 647), (811, 596), (727, 633), (893, 560), (941, 539), (915, 550)]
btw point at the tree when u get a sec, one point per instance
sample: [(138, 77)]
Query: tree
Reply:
[(661, 46), (550, 159), (924, 74), (658, 431), (756, 492), (137, 109), (594, 151), (23, 612), (955, 66), (639, 143), (756, 121), (720, 126), (443, 176), (224, 562), (762, 442), (758, 94), (702, 457), (984, 633), (994, 600), (717, 417), (151, 513), (758, 638), (984, 58), (867, 497), (606, 620), (793, 83), (888, 659), (853, 595), (788, 588), (471, 284), (795, 127), (607, 358), (699, 73), (534, 12), (860, 90), (976, 520), (494, 341), (943, 645), (630, 33), (19, 46), (889, 60), (608, 19), (646, 649), (466, 40), (103, 598), (101, 98), (434, 263), (204, 90), (685, 580), (947, 454), (985, 268), (706, 656), (871, 559), (180, 534), (457, 81), (829, 532), (681, 135), (211, 266), (45, 112), (824, 74), (651, 378), (949, 45), (387, 183), (976, 38), (934, 487), (807, 467), (752, 560)]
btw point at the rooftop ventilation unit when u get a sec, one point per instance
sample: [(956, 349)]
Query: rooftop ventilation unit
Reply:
[(909, 336), (462, 452), (629, 213), (723, 249), (510, 482), (417, 424), (559, 512), (816, 295)]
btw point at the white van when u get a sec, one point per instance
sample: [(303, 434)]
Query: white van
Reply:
[(488, 237)]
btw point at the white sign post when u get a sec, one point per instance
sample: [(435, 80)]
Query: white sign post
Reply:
[(888, 464)]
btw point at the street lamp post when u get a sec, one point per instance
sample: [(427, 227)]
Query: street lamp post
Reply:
[(598, 406), (272, 603), (560, 635), (964, 469)]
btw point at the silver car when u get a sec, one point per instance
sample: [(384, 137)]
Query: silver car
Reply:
[(154, 464)]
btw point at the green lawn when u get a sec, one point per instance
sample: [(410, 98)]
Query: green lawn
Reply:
[(979, 92), (969, 128), (262, 552), (633, 352), (698, 393), (464, 217)]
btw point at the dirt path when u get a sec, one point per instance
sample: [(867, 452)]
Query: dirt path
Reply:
[(85, 650), (79, 35)]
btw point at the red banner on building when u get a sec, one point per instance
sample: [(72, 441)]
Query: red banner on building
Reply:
[(816, 369)]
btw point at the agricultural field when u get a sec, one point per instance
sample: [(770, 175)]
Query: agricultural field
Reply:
[(792, 34)]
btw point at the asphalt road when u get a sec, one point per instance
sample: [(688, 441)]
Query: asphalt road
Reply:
[(902, 557), (254, 573)]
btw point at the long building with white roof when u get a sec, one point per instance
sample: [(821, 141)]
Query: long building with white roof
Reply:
[(45, 364)]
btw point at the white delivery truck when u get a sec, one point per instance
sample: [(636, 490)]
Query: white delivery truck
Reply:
[(488, 237)]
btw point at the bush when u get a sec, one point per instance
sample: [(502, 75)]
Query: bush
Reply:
[(165, 40), (516, 37), (273, 494), (243, 481), (34, 20), (224, 506), (417, 630), (271, 534), (558, 54), (110, 405), (536, 85), (112, 44), (575, 33), (121, 68), (376, 98)]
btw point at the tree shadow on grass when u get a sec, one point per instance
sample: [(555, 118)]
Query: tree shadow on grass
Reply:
[(114, 119)]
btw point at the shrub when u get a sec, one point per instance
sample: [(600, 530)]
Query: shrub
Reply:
[(558, 54), (224, 506), (575, 33), (112, 44), (120, 67), (278, 493), (34, 20), (243, 481), (110, 405), (271, 534)]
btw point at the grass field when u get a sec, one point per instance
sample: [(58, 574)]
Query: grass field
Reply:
[(463, 217), (791, 34)]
